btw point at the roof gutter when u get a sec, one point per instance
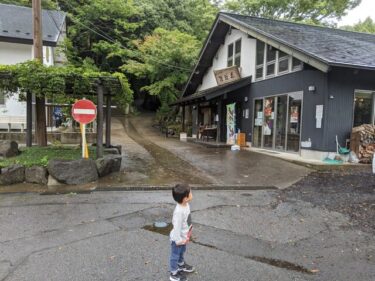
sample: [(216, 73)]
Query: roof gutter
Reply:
[(299, 54), (355, 66)]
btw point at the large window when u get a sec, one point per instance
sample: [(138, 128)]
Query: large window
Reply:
[(271, 62), (277, 122), (364, 108), (234, 54)]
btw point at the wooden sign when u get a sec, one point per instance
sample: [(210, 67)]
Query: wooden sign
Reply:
[(227, 75)]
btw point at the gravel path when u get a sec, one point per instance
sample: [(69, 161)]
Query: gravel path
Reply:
[(351, 192)]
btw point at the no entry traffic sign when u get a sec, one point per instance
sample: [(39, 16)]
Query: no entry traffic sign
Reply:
[(84, 111)]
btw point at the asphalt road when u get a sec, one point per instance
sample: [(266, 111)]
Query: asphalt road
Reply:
[(238, 235)]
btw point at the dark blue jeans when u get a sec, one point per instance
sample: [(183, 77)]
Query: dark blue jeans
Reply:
[(177, 256)]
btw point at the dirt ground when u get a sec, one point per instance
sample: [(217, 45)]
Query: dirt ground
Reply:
[(351, 192)]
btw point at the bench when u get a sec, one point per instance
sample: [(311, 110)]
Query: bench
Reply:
[(19, 120), (209, 133)]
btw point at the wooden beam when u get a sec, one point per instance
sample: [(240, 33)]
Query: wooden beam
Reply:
[(219, 122), (29, 119), (108, 123), (99, 130), (183, 118), (37, 29), (198, 121)]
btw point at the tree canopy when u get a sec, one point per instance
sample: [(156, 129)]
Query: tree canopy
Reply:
[(314, 11), (165, 58), (368, 26)]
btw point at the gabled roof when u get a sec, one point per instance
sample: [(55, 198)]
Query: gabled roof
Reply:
[(16, 25), (320, 47)]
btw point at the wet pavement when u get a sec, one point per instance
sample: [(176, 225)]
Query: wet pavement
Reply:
[(152, 159), (238, 236), (318, 226)]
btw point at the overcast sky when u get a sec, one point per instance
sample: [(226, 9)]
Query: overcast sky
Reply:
[(364, 10)]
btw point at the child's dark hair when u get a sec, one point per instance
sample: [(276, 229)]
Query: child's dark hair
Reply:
[(180, 191)]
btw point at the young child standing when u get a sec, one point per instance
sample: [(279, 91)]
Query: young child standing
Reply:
[(181, 232)]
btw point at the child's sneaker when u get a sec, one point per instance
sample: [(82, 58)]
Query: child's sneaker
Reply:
[(177, 277), (186, 268)]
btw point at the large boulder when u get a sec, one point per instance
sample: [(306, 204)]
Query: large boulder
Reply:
[(36, 174), (73, 171), (8, 148), (108, 164), (12, 174)]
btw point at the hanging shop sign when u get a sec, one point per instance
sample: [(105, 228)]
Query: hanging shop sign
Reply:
[(227, 75)]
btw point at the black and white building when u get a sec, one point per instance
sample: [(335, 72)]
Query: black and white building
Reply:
[(299, 86)]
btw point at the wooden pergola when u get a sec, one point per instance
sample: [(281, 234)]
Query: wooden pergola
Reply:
[(104, 87)]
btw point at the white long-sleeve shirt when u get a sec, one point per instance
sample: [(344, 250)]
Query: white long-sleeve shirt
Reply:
[(181, 223)]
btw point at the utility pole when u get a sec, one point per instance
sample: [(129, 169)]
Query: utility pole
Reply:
[(41, 132)]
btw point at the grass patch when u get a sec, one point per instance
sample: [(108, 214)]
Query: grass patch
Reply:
[(40, 156)]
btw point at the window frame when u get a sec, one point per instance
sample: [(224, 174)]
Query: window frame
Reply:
[(281, 59), (275, 63), (372, 94), (271, 62), (230, 58), (297, 67), (258, 66), (235, 54)]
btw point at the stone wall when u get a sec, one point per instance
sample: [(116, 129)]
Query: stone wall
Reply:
[(65, 138)]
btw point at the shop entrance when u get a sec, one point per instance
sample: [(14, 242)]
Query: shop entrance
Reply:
[(277, 122)]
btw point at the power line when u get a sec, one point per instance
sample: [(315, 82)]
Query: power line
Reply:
[(108, 38), (94, 26)]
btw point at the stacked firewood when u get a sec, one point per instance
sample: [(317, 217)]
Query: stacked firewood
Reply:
[(362, 142)]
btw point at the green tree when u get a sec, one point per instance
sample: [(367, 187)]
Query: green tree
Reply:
[(314, 11), (194, 17), (101, 30), (368, 26), (46, 4), (164, 59)]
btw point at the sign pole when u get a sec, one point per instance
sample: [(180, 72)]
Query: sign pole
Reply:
[(83, 128)]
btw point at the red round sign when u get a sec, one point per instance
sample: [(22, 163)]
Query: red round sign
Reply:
[(84, 111)]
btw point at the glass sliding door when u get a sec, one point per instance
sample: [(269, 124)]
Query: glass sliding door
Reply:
[(269, 122), (258, 123), (363, 108), (281, 122), (294, 121)]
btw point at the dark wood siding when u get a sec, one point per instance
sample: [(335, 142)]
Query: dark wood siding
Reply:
[(342, 84)]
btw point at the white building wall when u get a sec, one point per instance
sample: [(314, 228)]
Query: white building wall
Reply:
[(248, 54), (13, 53)]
